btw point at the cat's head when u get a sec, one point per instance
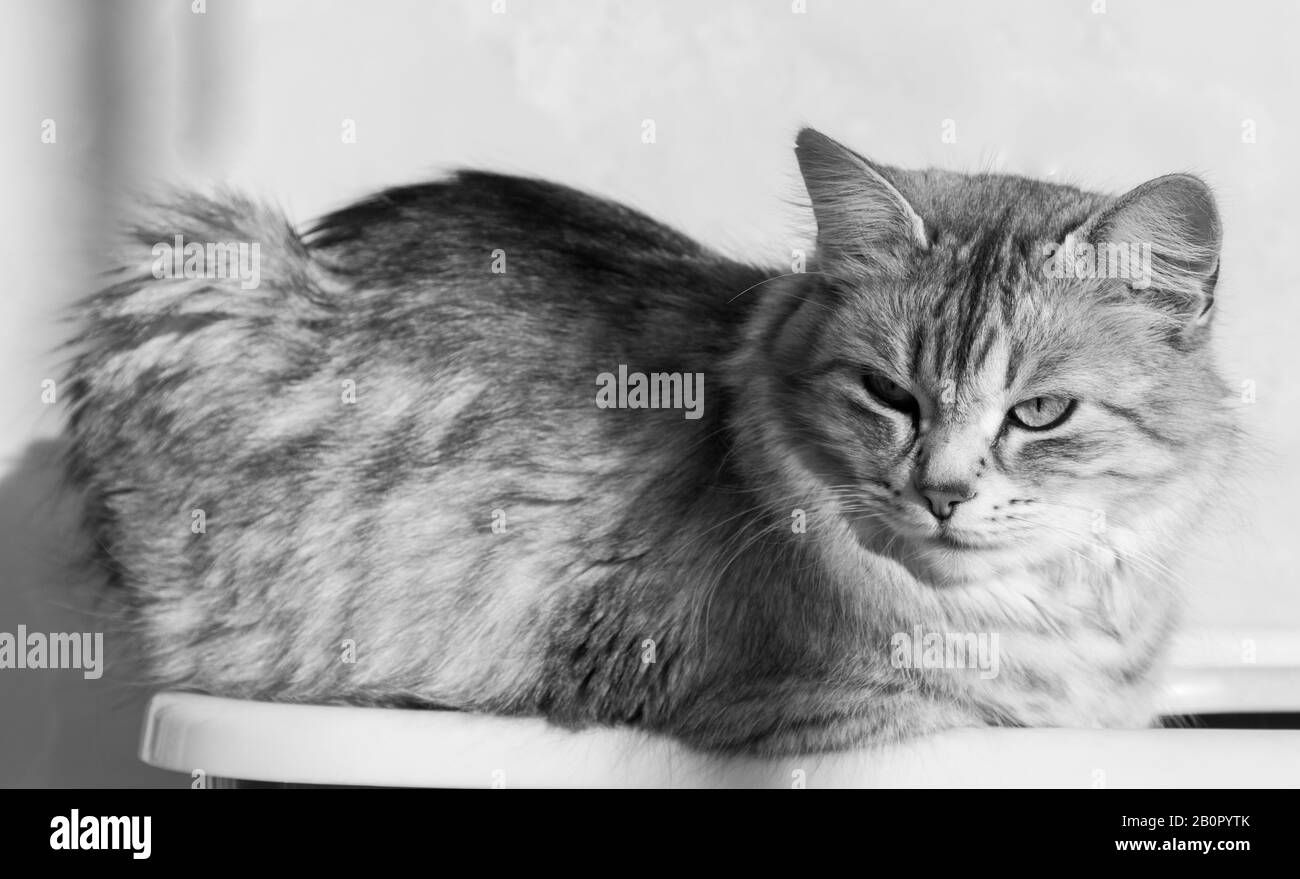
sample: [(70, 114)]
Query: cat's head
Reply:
[(985, 370)]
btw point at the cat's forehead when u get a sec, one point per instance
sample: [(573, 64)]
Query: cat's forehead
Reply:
[(977, 307), (966, 208), (975, 312)]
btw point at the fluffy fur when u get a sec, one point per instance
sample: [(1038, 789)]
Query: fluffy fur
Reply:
[(633, 535)]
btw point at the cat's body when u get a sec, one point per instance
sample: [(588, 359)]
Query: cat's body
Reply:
[(466, 522)]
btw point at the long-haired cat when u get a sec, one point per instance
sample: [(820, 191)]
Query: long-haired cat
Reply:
[(393, 471)]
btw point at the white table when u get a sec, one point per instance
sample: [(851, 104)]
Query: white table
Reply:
[(313, 744)]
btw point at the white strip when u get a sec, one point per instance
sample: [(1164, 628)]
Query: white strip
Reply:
[(404, 748)]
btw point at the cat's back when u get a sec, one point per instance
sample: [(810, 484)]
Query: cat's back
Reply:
[(495, 268), (425, 225), (483, 223)]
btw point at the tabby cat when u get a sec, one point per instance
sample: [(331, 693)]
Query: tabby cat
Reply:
[(393, 471)]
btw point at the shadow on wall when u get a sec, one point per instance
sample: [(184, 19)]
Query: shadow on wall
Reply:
[(60, 728)]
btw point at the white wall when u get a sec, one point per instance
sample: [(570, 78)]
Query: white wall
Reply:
[(257, 93)]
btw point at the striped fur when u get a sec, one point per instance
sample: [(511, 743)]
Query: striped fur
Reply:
[(648, 572)]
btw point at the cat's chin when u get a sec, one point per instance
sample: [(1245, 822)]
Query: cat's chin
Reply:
[(956, 540), (948, 556)]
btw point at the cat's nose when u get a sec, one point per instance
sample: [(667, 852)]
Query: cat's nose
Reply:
[(943, 499)]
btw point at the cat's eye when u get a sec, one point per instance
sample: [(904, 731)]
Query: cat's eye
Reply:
[(889, 392), (1042, 413)]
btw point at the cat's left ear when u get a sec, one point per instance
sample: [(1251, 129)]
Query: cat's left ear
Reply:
[(1172, 225)]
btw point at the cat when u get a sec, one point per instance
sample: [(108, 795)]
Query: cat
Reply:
[(390, 473)]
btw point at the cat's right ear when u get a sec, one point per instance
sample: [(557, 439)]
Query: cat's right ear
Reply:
[(861, 216)]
